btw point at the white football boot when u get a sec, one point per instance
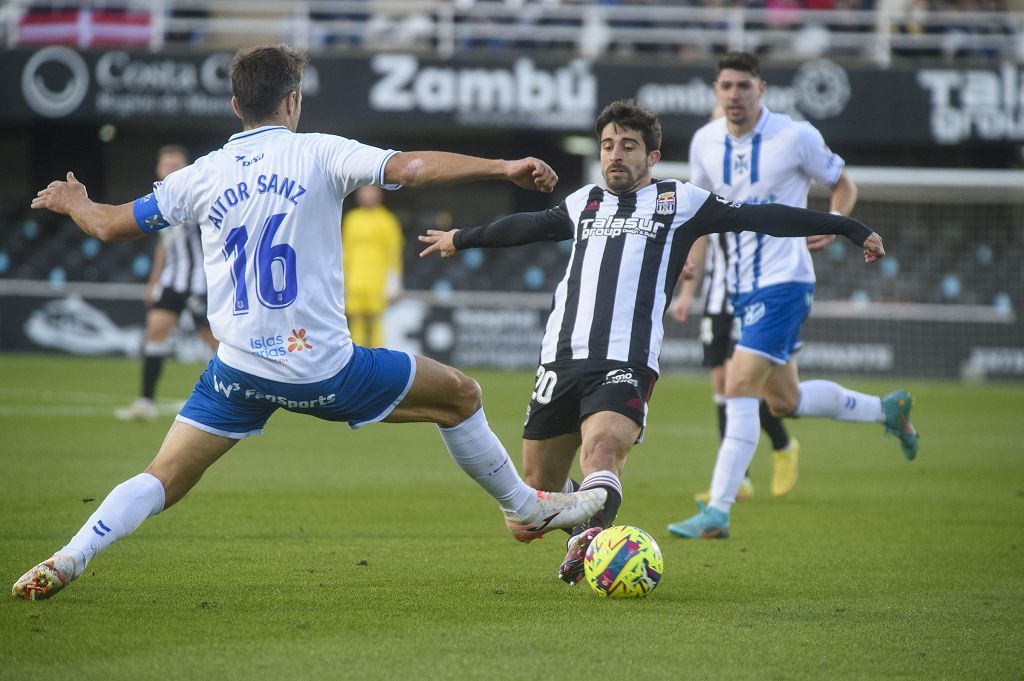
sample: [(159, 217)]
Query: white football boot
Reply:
[(142, 409), (46, 579), (554, 511)]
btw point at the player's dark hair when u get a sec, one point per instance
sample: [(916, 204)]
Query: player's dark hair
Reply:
[(172, 149), (739, 61), (630, 115), (262, 76)]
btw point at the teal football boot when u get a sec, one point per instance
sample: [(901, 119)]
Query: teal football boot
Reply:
[(896, 407), (710, 523)]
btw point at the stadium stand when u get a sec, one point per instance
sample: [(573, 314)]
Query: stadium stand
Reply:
[(786, 29), (50, 248), (955, 247)]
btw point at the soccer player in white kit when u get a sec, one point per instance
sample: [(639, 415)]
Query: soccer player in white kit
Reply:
[(269, 204), (755, 156)]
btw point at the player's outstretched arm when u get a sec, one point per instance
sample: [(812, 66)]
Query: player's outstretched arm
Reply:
[(109, 224), (721, 215), (512, 230), (436, 168), (439, 242)]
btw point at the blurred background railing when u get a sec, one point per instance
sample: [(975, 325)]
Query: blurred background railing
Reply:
[(876, 31)]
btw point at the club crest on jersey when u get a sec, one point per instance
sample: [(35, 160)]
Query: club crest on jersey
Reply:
[(740, 164), (592, 206), (666, 203), (753, 314)]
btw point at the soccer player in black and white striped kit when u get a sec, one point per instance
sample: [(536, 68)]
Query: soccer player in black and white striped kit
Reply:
[(599, 355), (177, 284)]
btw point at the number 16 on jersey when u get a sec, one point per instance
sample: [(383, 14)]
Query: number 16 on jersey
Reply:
[(276, 279)]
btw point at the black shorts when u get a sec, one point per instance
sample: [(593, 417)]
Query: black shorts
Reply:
[(178, 302), (719, 333), (568, 391)]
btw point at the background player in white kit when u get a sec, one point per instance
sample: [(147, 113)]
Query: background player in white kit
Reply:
[(756, 157), (719, 331), (269, 205), (177, 284)]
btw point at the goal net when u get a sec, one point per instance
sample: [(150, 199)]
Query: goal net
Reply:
[(944, 302)]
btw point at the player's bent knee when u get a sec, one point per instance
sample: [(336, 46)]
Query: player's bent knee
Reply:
[(176, 483), (781, 408), (468, 398)]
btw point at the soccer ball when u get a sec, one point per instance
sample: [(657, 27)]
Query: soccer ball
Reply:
[(623, 562)]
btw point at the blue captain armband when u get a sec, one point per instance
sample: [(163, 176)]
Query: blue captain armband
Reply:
[(147, 214)]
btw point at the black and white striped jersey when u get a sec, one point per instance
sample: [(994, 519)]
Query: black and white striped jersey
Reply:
[(628, 251), (716, 266), (183, 259), (624, 264)]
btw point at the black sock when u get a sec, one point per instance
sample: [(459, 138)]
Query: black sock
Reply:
[(152, 365), (721, 420), (606, 516), (772, 425)]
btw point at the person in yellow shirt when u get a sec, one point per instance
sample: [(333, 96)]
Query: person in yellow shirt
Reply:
[(371, 244)]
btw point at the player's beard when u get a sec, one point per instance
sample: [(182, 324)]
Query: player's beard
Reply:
[(621, 182)]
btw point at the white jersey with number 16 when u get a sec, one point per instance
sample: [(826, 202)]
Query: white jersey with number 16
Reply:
[(269, 206)]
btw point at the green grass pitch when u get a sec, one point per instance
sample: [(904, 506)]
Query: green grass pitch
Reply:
[(316, 552)]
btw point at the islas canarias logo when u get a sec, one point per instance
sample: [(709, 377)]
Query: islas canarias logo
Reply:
[(298, 341)]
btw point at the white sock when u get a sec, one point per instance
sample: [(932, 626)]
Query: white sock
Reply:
[(119, 515), (742, 428), (831, 400), (157, 348), (478, 452)]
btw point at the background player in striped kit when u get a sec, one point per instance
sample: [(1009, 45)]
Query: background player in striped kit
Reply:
[(755, 156), (284, 279), (599, 356), (176, 284)]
